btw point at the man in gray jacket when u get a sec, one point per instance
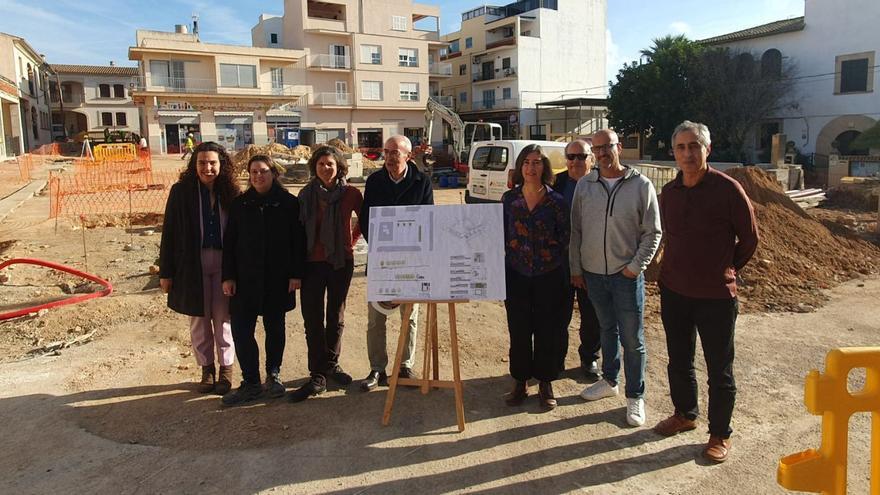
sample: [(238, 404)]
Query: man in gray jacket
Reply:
[(615, 231)]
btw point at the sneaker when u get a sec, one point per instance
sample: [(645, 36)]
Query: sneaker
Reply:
[(338, 375), (246, 392), (407, 372), (599, 390), (675, 424), (315, 386), (635, 411), (274, 387)]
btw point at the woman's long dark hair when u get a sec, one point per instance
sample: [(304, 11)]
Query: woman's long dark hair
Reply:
[(226, 185)]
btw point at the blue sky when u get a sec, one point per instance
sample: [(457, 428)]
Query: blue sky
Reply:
[(97, 31)]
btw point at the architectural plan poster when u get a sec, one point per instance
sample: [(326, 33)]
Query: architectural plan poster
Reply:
[(436, 253)]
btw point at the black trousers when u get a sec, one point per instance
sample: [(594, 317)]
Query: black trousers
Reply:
[(324, 336), (536, 322), (590, 346), (715, 320), (246, 350)]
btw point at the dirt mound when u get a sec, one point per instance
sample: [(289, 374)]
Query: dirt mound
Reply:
[(762, 188), (274, 150), (340, 145), (797, 255), (854, 196)]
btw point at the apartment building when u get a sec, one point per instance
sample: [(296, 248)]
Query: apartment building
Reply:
[(237, 95), (508, 59), (370, 66), (92, 98), (834, 48), (25, 118)]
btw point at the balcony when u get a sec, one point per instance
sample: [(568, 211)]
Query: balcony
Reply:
[(494, 74), (440, 70), (450, 55), (446, 101), (329, 62), (332, 99), (485, 105), (324, 16), (150, 85)]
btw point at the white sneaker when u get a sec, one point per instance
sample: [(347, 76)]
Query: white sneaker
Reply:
[(599, 390), (635, 411)]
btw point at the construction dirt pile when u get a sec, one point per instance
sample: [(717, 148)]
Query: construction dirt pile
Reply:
[(797, 256), (274, 150), (340, 145)]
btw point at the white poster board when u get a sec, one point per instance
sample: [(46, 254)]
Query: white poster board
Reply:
[(436, 253)]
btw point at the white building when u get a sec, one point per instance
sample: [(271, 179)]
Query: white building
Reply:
[(834, 47), (92, 98), (24, 93), (507, 59)]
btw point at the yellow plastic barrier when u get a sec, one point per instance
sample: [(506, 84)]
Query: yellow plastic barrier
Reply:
[(824, 470), (116, 151)]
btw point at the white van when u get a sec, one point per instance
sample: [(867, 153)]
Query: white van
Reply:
[(491, 164)]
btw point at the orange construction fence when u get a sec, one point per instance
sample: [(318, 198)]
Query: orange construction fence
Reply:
[(47, 149), (109, 189)]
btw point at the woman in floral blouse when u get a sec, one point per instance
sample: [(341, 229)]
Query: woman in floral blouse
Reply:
[(536, 233)]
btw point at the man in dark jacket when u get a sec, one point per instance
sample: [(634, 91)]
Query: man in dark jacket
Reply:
[(399, 183), (578, 160)]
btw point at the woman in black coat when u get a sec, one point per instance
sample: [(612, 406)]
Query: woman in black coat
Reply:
[(190, 259), (263, 263)]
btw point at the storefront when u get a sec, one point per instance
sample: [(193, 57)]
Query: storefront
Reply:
[(175, 126), (283, 129), (236, 129)]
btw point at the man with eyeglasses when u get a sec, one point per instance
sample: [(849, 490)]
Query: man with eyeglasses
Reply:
[(579, 159), (615, 231), (710, 236), (398, 183)]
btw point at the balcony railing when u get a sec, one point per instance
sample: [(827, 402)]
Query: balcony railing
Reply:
[(494, 74), (501, 104), (332, 99), (188, 85), (440, 69), (511, 40), (325, 61)]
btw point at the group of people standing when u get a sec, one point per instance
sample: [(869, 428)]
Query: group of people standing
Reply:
[(590, 233), (586, 234)]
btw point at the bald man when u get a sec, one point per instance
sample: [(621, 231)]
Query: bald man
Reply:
[(615, 231), (399, 183)]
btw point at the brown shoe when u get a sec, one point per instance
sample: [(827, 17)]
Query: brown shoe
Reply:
[(206, 385), (545, 395), (674, 425), (224, 381), (717, 449), (516, 396)]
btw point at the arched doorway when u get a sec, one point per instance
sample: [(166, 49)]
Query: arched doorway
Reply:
[(843, 143), (838, 126)]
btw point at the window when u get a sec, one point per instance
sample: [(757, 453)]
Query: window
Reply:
[(371, 54), (398, 23), (490, 158), (454, 47), (462, 69), (505, 63), (273, 38), (408, 57), (277, 76), (106, 119), (488, 98), (160, 72), (462, 97), (505, 94), (104, 90), (771, 64), (468, 42), (371, 90), (238, 76), (118, 91), (121, 119), (855, 73), (409, 91)]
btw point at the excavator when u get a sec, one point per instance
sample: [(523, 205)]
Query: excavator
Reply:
[(463, 134)]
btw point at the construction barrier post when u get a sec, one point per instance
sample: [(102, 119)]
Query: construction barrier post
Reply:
[(824, 470)]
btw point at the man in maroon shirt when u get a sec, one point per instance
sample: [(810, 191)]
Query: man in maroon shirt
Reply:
[(710, 233)]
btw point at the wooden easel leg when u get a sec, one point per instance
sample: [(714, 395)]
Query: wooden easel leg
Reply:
[(429, 330), (456, 376), (435, 347), (395, 372)]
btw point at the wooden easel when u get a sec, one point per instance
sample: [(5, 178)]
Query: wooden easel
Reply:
[(431, 366)]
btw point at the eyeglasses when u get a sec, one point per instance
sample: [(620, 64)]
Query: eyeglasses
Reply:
[(605, 147), (393, 152), (578, 156), (260, 172)]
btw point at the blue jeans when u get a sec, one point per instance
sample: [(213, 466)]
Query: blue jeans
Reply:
[(620, 303)]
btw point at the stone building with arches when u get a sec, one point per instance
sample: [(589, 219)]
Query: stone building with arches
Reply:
[(834, 47)]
